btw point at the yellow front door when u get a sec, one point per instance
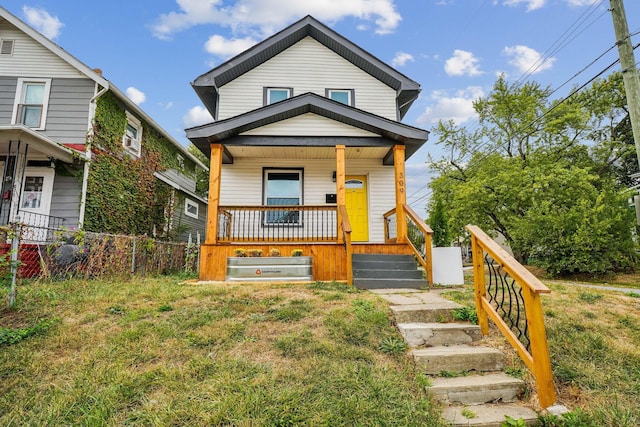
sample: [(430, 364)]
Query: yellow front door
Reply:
[(357, 207)]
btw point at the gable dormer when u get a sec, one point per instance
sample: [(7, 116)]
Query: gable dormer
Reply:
[(306, 57)]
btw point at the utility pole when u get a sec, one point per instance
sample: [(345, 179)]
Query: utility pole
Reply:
[(629, 70)]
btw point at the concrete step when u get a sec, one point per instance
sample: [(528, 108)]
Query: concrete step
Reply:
[(476, 389), (424, 313), (488, 415), (388, 274), (373, 283), (437, 334), (458, 358)]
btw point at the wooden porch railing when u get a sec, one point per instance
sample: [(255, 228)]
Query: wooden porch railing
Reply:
[(277, 223), (418, 237), (345, 229), (511, 298)]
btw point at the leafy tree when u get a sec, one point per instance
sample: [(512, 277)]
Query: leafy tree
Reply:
[(543, 175), (439, 224)]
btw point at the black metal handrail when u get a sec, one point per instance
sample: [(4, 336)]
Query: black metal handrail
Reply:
[(277, 223), (39, 227)]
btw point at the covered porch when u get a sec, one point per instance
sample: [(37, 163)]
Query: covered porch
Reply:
[(28, 166), (323, 232)]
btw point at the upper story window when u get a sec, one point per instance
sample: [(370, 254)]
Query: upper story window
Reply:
[(31, 103), (132, 138), (344, 96), (276, 94)]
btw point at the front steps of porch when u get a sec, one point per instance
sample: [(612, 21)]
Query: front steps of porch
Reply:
[(464, 375), (384, 271)]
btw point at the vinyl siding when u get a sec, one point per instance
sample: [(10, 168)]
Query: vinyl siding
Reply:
[(309, 125), (307, 66), (68, 113), (65, 201), (192, 225), (31, 59), (7, 98), (241, 184)]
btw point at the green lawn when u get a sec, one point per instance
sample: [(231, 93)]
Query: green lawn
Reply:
[(162, 352)]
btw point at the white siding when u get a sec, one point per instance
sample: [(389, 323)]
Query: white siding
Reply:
[(241, 184), (309, 125), (307, 66), (30, 58)]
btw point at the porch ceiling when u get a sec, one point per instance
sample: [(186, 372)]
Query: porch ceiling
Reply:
[(295, 153)]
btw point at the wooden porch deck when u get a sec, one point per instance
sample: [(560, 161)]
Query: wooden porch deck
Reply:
[(329, 259)]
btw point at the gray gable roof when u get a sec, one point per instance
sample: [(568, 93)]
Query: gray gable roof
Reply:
[(390, 131), (206, 85)]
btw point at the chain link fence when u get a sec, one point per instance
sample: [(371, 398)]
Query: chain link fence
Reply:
[(39, 252)]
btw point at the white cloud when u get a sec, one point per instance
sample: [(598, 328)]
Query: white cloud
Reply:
[(462, 63), (42, 21), (531, 4), (264, 17), (457, 107), (226, 48), (166, 106), (136, 95), (527, 60), (401, 59), (196, 116)]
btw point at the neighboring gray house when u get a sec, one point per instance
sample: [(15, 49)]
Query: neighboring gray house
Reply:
[(48, 102)]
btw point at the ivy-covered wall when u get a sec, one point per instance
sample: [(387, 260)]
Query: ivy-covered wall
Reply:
[(123, 196)]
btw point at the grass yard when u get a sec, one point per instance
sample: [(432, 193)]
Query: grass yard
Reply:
[(160, 352), (594, 340)]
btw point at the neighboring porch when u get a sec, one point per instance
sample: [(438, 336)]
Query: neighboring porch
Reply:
[(29, 180)]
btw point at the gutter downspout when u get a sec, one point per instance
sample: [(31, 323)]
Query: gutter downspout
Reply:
[(85, 172)]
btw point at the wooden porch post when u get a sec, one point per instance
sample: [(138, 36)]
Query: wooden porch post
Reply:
[(341, 197), (401, 193), (215, 170)]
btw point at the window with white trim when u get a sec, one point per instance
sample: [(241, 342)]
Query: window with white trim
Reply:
[(191, 208), (31, 103), (344, 96), (132, 138), (276, 94), (282, 187)]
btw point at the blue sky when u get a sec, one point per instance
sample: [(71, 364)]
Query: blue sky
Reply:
[(455, 49)]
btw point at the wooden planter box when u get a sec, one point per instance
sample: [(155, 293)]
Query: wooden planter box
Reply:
[(269, 269)]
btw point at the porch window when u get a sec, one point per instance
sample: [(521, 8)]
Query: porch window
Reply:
[(282, 187), (276, 94), (32, 99), (344, 96)]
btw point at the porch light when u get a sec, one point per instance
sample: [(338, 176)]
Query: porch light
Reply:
[(334, 176)]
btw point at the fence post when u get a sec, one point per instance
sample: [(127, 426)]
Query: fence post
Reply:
[(133, 257), (15, 245), (479, 285), (539, 349)]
